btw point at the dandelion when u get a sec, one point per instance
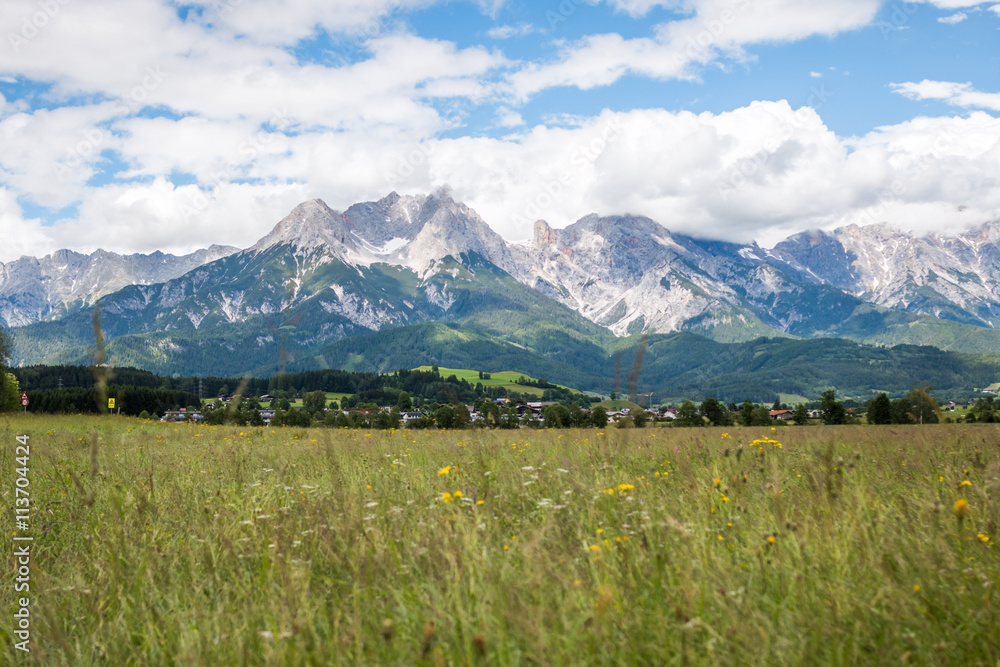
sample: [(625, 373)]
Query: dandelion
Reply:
[(457, 494), (965, 482), (961, 508), (724, 499), (717, 482), (916, 588), (625, 487), (446, 497), (983, 538), (445, 470), (770, 539)]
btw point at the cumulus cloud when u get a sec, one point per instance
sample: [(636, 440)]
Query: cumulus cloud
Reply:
[(757, 172), (953, 18), (950, 92), (715, 28)]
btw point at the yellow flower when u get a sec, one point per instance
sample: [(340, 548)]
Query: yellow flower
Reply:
[(719, 536), (724, 499), (369, 486), (625, 487), (717, 482), (600, 530), (445, 470), (916, 588), (965, 482), (983, 538), (610, 492), (446, 497), (457, 494), (594, 547), (961, 508), (940, 478), (480, 502), (770, 539)]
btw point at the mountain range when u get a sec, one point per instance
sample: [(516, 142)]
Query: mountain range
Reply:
[(408, 280)]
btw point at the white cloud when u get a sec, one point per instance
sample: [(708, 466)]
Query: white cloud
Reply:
[(716, 28), (995, 9), (954, 18), (950, 92), (508, 31), (759, 171), (816, 75)]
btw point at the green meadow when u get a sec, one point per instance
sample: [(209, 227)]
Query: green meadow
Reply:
[(179, 544)]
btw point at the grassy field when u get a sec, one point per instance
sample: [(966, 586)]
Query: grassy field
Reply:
[(195, 545), (506, 379)]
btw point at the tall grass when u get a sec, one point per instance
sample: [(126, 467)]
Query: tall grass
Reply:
[(197, 545)]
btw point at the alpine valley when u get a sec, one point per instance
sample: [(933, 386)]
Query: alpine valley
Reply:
[(412, 280)]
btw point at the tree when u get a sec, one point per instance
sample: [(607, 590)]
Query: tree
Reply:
[(599, 417), (746, 413), (314, 401), (614, 395), (715, 412), (801, 414), (925, 408), (777, 403), (255, 418), (444, 416), (984, 411), (639, 418), (687, 415), (880, 410), (576, 416), (556, 416), (403, 403), (760, 416), (833, 410), (10, 392)]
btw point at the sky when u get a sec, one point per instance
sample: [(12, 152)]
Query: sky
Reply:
[(143, 125)]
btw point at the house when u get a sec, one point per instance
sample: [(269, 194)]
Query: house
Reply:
[(410, 417), (815, 414), (181, 415), (784, 415)]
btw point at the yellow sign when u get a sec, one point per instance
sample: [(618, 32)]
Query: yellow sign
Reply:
[(111, 404)]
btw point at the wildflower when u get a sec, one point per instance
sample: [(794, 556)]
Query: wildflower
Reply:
[(770, 539), (625, 487), (595, 548), (983, 538), (445, 470), (446, 497), (724, 499), (965, 482), (480, 502), (961, 508), (600, 530), (369, 486), (717, 482), (916, 588)]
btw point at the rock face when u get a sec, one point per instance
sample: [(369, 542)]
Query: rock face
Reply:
[(956, 278), (411, 231), (322, 275), (33, 290)]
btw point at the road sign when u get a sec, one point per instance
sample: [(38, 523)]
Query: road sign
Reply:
[(24, 398), (111, 404)]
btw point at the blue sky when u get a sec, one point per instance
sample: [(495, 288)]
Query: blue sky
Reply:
[(148, 124)]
